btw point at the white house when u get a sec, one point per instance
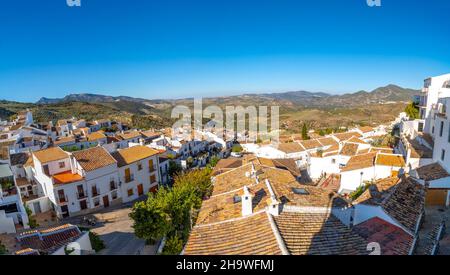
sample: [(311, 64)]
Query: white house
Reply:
[(368, 168), (138, 171)]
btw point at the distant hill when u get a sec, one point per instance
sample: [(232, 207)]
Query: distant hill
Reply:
[(296, 107)]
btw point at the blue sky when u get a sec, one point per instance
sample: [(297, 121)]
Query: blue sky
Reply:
[(185, 48)]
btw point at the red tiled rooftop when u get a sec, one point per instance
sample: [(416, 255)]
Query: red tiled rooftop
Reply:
[(392, 239)]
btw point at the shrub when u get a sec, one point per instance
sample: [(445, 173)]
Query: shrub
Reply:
[(3, 249), (96, 242), (173, 246), (31, 221), (236, 148)]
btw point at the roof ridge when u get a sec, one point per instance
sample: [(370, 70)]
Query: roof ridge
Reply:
[(230, 220), (277, 235)]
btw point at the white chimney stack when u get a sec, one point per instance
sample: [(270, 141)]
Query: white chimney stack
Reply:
[(247, 202), (273, 203)]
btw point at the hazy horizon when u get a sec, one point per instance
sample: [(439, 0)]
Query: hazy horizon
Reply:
[(198, 48)]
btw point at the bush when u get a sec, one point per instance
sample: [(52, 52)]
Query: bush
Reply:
[(236, 148), (358, 192), (3, 249), (32, 223), (96, 242), (173, 246)]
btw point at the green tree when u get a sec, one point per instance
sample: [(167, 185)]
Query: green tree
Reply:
[(174, 168), (305, 132), (412, 110), (169, 212), (151, 222)]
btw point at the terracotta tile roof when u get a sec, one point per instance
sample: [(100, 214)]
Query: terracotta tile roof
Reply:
[(19, 159), (232, 180), (432, 172), (328, 141), (289, 148), (287, 164), (50, 154), (390, 160), (314, 197), (360, 162), (318, 234), (356, 140), (66, 178), (310, 144), (349, 149), (49, 240), (129, 135), (346, 135), (378, 192), (222, 207), (366, 129), (251, 235), (96, 136), (133, 154), (226, 165), (62, 140), (150, 134), (94, 158), (385, 150), (406, 203), (392, 239)]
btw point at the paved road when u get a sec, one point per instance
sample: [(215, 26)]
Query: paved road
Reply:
[(114, 228)]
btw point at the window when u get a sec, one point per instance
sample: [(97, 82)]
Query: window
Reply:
[(432, 130), (441, 131), (151, 166), (333, 161), (443, 155), (152, 179), (130, 192), (139, 166), (449, 132), (127, 175), (62, 164)]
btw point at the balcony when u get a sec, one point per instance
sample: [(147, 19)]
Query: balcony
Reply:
[(95, 191), (63, 199), (81, 195), (113, 186), (129, 179)]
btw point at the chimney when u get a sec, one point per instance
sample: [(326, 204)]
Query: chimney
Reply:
[(247, 202), (272, 202)]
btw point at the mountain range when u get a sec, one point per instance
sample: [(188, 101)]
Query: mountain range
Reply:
[(318, 109), (385, 94)]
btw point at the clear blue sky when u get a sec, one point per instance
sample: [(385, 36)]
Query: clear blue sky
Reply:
[(184, 48)]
